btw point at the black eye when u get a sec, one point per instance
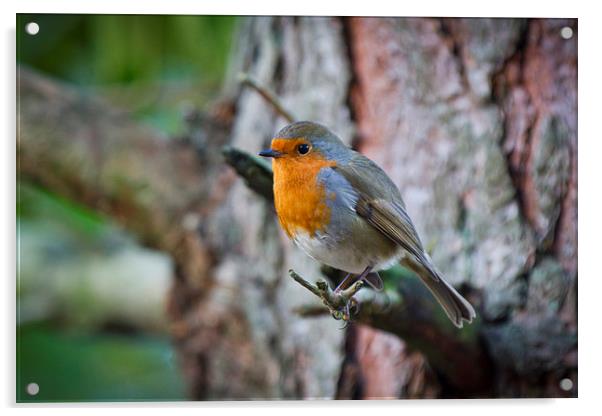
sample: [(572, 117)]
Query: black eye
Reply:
[(303, 148)]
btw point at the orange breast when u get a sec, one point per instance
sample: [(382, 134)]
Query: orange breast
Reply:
[(300, 200)]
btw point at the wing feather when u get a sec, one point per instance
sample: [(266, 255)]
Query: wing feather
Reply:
[(379, 203), (373, 204)]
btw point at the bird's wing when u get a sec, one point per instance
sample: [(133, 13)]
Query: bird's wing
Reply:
[(379, 203)]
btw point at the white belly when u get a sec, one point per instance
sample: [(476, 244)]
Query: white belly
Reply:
[(343, 255)]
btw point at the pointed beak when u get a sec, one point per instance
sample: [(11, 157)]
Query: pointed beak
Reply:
[(270, 153)]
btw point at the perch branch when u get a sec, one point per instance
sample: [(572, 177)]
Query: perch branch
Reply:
[(336, 302), (248, 81)]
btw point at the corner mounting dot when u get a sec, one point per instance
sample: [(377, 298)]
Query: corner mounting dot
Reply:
[(566, 32), (32, 28), (32, 389), (566, 384)]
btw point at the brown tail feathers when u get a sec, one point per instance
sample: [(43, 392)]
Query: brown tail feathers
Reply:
[(455, 306)]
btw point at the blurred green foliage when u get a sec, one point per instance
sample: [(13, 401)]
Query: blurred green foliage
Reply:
[(154, 67), (101, 367), (151, 65), (34, 202), (68, 356), (116, 49)]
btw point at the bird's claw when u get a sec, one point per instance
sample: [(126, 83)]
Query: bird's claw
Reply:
[(346, 312)]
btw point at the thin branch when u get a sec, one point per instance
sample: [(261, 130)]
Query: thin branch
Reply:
[(338, 303), (270, 97), (310, 311)]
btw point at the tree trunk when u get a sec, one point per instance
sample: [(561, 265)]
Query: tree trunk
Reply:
[(473, 119)]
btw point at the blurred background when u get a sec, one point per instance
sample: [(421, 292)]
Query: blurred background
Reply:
[(150, 262), (91, 300)]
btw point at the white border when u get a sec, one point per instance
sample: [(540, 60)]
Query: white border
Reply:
[(590, 208), (506, 8)]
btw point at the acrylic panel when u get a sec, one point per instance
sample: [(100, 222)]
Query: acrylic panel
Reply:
[(161, 258)]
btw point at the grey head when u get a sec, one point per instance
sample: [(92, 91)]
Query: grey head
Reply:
[(320, 137)]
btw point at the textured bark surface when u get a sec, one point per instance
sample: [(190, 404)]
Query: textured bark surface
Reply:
[(475, 121), (303, 60), (440, 146)]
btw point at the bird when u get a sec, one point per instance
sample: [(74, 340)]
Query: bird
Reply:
[(343, 210)]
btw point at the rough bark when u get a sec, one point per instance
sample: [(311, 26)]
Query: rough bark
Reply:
[(475, 121)]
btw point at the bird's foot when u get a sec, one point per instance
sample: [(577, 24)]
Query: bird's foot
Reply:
[(347, 312)]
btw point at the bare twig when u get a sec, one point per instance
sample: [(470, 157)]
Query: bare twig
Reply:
[(338, 303), (247, 80), (309, 311)]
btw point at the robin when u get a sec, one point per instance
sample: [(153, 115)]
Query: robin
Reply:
[(344, 211)]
